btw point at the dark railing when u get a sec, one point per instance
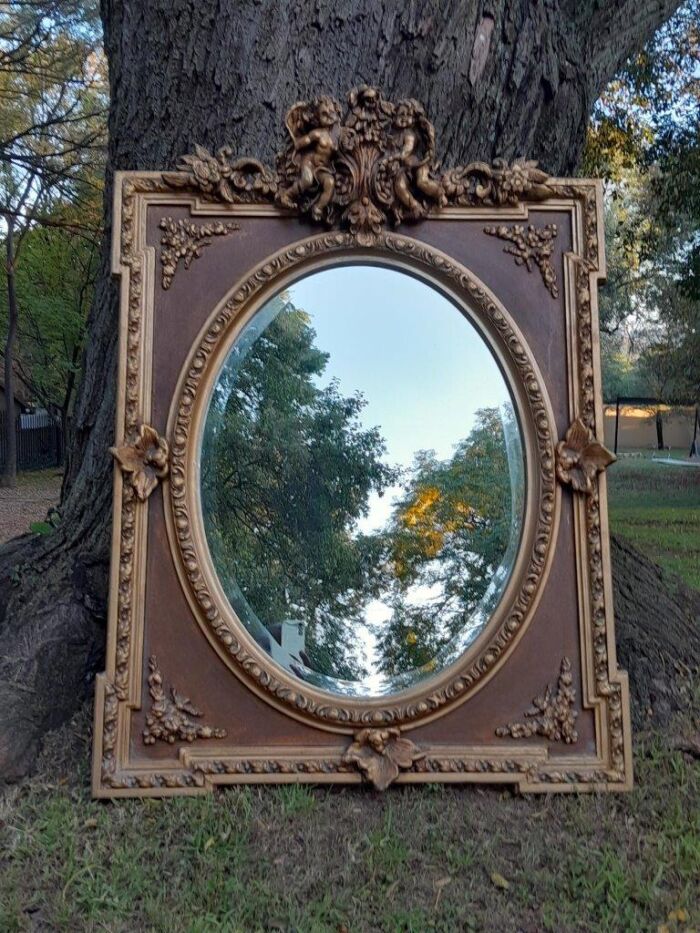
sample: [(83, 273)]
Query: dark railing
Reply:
[(39, 442)]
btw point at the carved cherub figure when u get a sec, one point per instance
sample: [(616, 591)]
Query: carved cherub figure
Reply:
[(314, 133), (411, 161)]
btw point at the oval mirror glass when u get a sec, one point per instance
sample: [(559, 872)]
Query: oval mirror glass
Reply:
[(362, 480)]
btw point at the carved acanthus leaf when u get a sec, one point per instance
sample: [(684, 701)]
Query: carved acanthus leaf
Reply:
[(531, 244), (183, 241), (551, 715), (580, 456), (381, 754), (145, 461), (173, 717), (361, 167)]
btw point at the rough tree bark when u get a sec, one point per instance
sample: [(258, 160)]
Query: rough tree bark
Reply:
[(499, 78)]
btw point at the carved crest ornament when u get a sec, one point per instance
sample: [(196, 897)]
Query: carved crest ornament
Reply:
[(358, 170), (362, 168)]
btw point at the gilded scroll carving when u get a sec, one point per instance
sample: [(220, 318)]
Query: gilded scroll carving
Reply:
[(183, 241), (172, 718), (381, 754), (530, 245), (580, 456), (220, 177), (552, 715), (145, 460), (360, 167)]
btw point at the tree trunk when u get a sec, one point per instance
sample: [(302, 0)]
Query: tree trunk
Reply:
[(9, 473), (509, 78), (659, 430)]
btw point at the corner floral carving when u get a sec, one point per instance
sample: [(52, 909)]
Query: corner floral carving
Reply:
[(172, 718), (146, 460), (360, 167), (381, 754), (580, 457), (531, 245), (183, 241), (551, 715)]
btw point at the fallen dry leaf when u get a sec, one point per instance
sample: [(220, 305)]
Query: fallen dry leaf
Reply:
[(499, 881)]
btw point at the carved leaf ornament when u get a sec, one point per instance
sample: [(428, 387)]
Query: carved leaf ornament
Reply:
[(145, 461), (580, 457), (361, 167), (381, 754)]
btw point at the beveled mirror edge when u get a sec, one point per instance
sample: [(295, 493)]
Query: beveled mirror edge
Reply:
[(118, 690)]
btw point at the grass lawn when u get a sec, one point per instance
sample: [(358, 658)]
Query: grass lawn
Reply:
[(345, 860), (656, 506), (300, 859)]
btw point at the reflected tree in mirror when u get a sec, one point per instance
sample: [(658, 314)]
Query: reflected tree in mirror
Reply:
[(362, 509), (447, 537), (287, 469)]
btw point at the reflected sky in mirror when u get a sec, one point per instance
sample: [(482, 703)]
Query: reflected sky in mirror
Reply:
[(362, 480)]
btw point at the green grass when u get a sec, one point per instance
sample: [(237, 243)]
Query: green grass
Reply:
[(306, 859), (657, 508)]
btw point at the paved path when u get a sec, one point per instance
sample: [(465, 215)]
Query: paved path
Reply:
[(28, 502)]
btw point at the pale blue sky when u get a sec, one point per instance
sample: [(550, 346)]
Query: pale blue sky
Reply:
[(420, 364)]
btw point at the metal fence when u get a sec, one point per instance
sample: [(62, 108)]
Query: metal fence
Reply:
[(39, 442)]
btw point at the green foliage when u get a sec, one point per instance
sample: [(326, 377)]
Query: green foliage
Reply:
[(287, 472), (55, 284), (448, 534), (645, 140)]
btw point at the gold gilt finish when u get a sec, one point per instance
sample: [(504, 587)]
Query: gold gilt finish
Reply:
[(208, 599), (551, 715), (145, 460), (381, 754), (173, 717), (528, 245), (359, 169), (183, 241), (580, 456)]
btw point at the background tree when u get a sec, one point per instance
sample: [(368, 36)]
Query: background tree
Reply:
[(514, 78), (50, 114), (645, 140)]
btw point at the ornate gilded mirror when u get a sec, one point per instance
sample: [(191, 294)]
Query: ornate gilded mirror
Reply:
[(360, 517)]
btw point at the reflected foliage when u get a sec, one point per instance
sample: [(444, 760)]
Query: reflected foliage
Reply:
[(287, 470), (448, 535)]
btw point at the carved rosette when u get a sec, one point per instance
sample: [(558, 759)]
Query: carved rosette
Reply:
[(361, 167), (552, 715), (580, 457), (530, 245), (145, 461), (381, 754), (183, 241), (172, 718)]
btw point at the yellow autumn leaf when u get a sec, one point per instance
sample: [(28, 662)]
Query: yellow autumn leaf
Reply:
[(499, 881)]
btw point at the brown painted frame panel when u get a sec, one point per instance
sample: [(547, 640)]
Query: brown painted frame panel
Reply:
[(283, 735)]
